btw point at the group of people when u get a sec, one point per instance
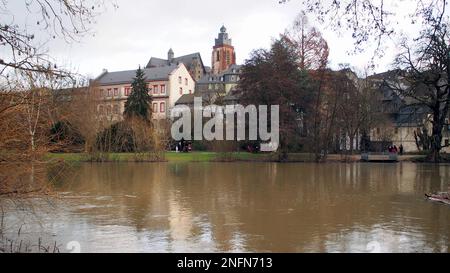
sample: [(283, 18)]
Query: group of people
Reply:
[(183, 146), (394, 150)]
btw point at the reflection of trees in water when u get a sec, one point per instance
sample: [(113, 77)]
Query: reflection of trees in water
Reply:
[(23, 178), (274, 207), (26, 190)]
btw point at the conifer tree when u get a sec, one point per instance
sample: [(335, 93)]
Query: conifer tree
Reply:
[(139, 102)]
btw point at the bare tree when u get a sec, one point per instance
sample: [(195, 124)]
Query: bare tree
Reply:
[(425, 80), (374, 21), (312, 49), (55, 19)]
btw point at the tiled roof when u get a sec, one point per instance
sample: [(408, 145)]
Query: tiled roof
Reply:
[(121, 77)]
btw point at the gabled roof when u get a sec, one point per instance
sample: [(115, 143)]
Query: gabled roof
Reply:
[(121, 77), (187, 60), (155, 62), (185, 99)]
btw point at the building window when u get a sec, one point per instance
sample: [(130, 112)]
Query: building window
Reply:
[(162, 107), (155, 89), (155, 108), (209, 86), (163, 89), (218, 56), (109, 92), (186, 81), (127, 91), (116, 109), (217, 86), (190, 91), (181, 90), (447, 142), (396, 131), (116, 92), (228, 57), (179, 80), (108, 110), (101, 109)]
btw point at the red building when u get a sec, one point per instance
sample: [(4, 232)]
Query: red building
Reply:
[(223, 55)]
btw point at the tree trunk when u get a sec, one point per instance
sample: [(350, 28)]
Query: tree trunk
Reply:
[(436, 140)]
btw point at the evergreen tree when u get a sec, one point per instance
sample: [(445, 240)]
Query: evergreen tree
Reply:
[(139, 102)]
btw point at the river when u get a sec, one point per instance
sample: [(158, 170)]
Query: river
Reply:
[(239, 207)]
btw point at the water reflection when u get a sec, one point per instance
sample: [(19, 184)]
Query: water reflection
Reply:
[(254, 207)]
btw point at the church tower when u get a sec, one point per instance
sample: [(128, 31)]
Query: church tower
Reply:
[(223, 55)]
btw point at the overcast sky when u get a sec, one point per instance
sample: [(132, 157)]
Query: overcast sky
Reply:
[(128, 36)]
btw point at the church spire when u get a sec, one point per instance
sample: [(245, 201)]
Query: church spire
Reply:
[(223, 37), (170, 55)]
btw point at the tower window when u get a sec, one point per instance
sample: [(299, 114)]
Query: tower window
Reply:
[(218, 56)]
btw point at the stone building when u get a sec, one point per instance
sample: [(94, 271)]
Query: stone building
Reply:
[(223, 54), (214, 86), (193, 63), (404, 116)]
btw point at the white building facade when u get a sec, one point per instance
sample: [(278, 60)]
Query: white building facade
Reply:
[(165, 84)]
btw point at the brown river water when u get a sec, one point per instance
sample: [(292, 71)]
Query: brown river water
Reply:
[(239, 207)]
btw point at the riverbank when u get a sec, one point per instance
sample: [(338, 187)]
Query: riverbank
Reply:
[(216, 157)]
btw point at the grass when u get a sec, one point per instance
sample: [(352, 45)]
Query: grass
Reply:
[(213, 157), (169, 156)]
